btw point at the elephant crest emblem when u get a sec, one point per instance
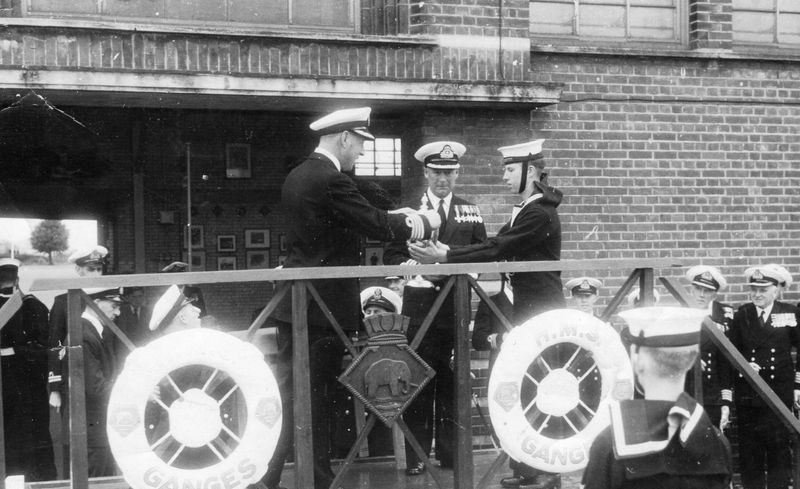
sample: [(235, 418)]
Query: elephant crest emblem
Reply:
[(387, 375)]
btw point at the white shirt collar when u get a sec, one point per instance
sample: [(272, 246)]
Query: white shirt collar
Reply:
[(509, 292), (330, 156), (98, 325), (767, 311), (530, 199), (434, 201)]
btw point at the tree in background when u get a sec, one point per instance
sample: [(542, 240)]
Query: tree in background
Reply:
[(50, 236)]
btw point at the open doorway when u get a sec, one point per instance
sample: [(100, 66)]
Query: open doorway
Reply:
[(35, 242)]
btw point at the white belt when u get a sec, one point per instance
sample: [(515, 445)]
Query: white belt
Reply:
[(6, 352)]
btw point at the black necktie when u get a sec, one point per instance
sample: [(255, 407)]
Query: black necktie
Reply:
[(761, 319), (443, 216)]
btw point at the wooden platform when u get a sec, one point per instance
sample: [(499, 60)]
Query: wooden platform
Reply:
[(365, 474)]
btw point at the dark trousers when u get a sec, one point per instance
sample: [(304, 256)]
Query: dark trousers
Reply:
[(101, 462), (432, 409), (763, 446), (325, 352)]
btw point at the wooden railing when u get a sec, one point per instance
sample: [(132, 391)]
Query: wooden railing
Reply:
[(297, 282)]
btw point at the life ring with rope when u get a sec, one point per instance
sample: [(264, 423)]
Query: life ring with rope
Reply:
[(550, 387), (214, 424)]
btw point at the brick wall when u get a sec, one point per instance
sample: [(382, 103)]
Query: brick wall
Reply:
[(685, 158)]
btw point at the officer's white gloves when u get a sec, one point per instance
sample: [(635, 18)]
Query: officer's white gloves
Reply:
[(55, 400), (725, 417)]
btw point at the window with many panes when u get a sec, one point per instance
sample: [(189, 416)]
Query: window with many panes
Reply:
[(381, 158), (766, 22), (325, 14), (612, 21)]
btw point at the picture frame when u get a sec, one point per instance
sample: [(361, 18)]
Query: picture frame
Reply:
[(373, 255), (237, 160), (256, 259), (256, 238), (226, 263), (226, 242), (193, 234), (198, 263), (282, 243)]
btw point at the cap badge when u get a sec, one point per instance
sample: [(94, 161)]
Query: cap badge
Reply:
[(707, 276), (447, 152), (757, 275), (377, 294), (585, 285)]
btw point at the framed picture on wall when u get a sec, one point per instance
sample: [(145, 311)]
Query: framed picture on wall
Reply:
[(198, 262), (226, 263), (193, 234), (237, 160), (256, 238), (257, 259), (226, 242), (373, 255)]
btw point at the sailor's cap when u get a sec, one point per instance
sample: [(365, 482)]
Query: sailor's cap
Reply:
[(381, 297), (167, 307), (766, 275), (441, 155), (94, 255), (353, 120), (707, 277), (10, 262), (520, 153), (584, 286), (176, 267), (633, 297), (663, 327), (106, 295)]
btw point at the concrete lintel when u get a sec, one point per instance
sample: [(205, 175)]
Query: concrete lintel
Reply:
[(107, 88)]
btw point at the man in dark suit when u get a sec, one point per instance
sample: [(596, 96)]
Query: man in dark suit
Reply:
[(706, 282), (532, 234), (26, 416), (765, 331), (133, 320), (432, 410), (99, 372), (327, 217)]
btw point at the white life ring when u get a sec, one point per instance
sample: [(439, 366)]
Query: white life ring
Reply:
[(550, 387), (216, 424)]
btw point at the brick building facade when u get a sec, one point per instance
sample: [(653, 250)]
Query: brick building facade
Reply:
[(686, 146)]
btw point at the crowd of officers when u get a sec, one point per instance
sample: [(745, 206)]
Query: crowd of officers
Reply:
[(330, 217)]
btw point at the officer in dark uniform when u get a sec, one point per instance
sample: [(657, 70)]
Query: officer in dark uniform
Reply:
[(532, 234), (327, 218), (706, 283), (584, 291), (665, 440), (26, 416), (765, 331), (89, 262), (99, 372), (431, 412)]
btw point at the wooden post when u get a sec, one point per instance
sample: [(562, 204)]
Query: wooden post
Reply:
[(462, 456), (303, 447), (78, 454), (646, 295)]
